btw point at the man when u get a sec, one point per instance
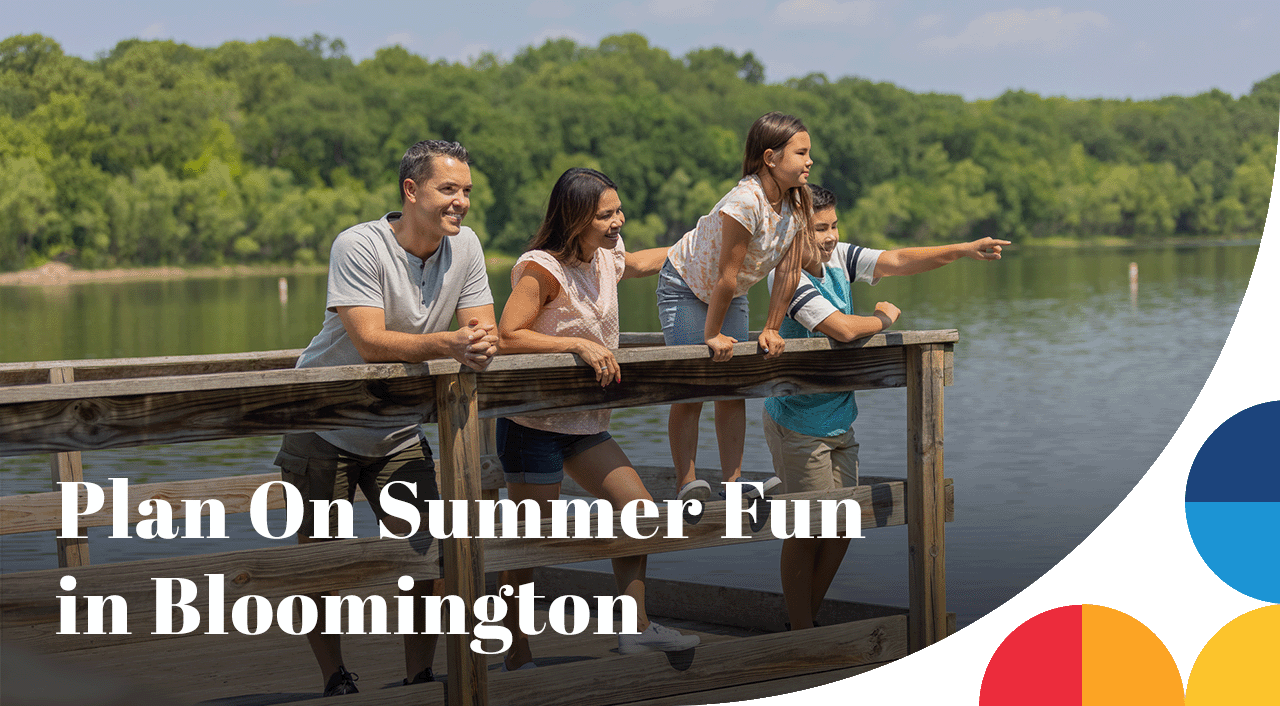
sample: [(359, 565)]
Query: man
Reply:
[(394, 286), (810, 436)]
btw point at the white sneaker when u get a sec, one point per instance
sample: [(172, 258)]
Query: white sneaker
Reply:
[(695, 490), (657, 637), (770, 485)]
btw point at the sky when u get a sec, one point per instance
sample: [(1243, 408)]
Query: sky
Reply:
[(1117, 49)]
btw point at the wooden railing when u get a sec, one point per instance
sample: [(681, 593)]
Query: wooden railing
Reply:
[(123, 403)]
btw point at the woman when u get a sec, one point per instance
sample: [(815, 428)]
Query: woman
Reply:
[(564, 299)]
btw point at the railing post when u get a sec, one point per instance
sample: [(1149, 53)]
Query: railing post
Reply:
[(489, 460), (926, 538), (462, 558), (66, 468)]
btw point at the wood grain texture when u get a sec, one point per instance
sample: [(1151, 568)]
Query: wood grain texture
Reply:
[(33, 373), (118, 368), (67, 468), (118, 413), (202, 408), (759, 690), (744, 608), (718, 665), (663, 381), (29, 612), (40, 512), (926, 538), (462, 558), (727, 666)]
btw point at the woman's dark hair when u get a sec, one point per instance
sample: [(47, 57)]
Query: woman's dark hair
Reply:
[(573, 204)]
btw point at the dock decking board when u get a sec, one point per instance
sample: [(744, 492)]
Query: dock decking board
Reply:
[(28, 606)]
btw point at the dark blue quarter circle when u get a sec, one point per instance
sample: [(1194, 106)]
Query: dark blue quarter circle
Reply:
[(1240, 461)]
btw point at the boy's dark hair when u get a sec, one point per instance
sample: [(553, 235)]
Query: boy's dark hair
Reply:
[(417, 161), (822, 197)]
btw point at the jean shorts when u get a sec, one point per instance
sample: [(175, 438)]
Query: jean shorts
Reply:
[(537, 457), (684, 316)]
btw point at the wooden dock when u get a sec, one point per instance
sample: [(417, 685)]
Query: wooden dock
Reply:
[(66, 407)]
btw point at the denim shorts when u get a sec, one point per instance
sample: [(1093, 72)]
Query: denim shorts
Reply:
[(537, 457), (684, 316)]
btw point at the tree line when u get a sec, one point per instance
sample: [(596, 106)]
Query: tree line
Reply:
[(159, 153)]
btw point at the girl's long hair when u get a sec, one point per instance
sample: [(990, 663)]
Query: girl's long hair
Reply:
[(573, 204), (772, 131)]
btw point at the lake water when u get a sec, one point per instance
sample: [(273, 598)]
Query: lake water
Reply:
[(1067, 387)]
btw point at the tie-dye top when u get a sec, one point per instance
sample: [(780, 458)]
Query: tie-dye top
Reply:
[(697, 255), (586, 307)]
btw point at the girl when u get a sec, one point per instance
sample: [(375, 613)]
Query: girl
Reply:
[(703, 284), (564, 299)]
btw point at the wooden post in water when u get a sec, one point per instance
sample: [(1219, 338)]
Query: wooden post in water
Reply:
[(463, 559), (926, 541), (66, 468)]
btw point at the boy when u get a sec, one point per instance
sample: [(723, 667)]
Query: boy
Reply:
[(810, 436)]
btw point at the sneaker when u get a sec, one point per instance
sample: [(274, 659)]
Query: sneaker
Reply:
[(749, 493), (695, 490), (341, 682), (769, 487), (423, 677), (657, 637), (526, 665)]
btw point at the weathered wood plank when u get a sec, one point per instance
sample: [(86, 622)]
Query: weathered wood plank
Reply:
[(926, 538), (463, 558), (27, 599), (67, 468), (649, 382), (377, 371), (42, 512), (742, 667), (97, 415), (247, 404), (118, 368), (37, 373), (744, 608), (758, 690), (29, 612), (660, 481), (718, 665)]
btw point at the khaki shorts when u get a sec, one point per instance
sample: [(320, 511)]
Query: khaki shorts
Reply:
[(322, 471), (807, 463)]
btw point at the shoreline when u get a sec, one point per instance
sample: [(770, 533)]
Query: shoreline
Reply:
[(54, 274)]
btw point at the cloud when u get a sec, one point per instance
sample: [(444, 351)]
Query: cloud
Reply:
[(546, 34), (821, 13), (549, 9), (1047, 28), (927, 21), (471, 52), (680, 9), (404, 39), (155, 30)]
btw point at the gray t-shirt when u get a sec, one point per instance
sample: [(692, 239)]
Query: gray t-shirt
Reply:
[(367, 267)]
